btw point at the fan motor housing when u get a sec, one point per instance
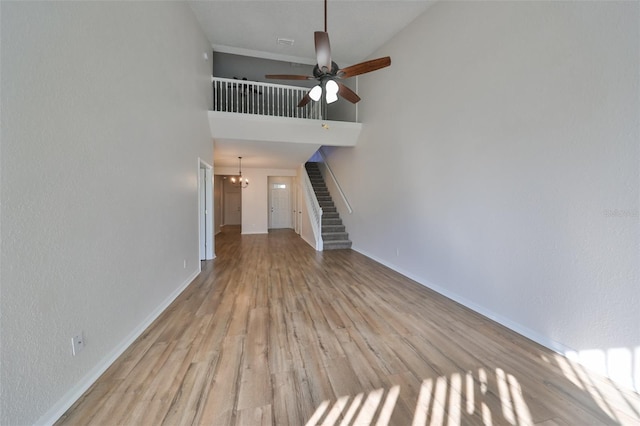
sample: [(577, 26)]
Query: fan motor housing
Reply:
[(317, 72)]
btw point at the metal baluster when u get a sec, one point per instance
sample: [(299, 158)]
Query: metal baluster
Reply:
[(215, 92)]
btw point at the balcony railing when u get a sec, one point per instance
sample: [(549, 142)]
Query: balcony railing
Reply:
[(252, 97)]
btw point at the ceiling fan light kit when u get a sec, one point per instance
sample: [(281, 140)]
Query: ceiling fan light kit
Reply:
[(331, 88), (315, 93), (327, 72)]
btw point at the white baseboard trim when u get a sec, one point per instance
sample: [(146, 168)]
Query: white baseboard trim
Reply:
[(511, 325), (540, 339), (69, 398)]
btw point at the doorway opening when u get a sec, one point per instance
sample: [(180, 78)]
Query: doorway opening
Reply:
[(231, 202)]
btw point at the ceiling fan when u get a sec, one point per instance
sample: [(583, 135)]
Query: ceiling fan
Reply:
[(328, 72)]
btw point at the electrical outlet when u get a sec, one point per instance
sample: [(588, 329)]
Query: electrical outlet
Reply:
[(77, 343)]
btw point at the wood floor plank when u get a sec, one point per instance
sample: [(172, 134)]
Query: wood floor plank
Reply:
[(286, 409), (259, 416), (255, 380), (344, 380), (221, 403), (280, 356), (274, 333), (150, 413), (188, 402)]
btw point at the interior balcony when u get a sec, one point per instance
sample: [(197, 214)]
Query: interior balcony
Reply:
[(268, 115)]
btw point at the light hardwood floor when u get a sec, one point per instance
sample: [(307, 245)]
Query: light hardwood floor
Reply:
[(273, 333)]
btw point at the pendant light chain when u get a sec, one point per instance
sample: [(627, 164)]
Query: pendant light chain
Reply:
[(243, 182)]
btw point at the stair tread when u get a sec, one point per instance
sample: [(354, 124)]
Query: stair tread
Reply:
[(335, 236), (338, 245)]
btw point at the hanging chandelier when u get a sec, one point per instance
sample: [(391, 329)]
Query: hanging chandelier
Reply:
[(239, 180)]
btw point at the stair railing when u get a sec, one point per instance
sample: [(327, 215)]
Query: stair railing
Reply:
[(315, 211), (335, 181)]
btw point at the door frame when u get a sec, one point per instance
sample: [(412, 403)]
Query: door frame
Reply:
[(205, 211), (297, 211)]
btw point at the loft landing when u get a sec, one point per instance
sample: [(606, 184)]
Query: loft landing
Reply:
[(267, 114)]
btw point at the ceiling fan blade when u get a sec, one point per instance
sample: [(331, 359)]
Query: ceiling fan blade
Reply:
[(305, 100), (347, 93), (323, 50), (364, 67), (289, 77)]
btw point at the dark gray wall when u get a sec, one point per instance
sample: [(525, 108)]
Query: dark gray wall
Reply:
[(228, 65)]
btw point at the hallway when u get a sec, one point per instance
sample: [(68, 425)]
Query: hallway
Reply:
[(273, 333)]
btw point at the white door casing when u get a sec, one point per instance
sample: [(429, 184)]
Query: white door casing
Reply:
[(205, 210)]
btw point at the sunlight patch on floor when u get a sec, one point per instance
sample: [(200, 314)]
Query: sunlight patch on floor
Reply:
[(445, 400), (621, 404), (621, 364)]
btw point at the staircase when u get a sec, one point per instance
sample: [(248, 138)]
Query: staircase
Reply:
[(333, 231)]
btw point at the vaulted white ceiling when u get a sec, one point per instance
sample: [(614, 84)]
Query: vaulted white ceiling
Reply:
[(357, 28)]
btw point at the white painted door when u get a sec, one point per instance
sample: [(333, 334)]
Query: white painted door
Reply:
[(280, 208)]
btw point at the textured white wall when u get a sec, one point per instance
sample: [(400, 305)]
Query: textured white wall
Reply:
[(103, 120), (499, 164)]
